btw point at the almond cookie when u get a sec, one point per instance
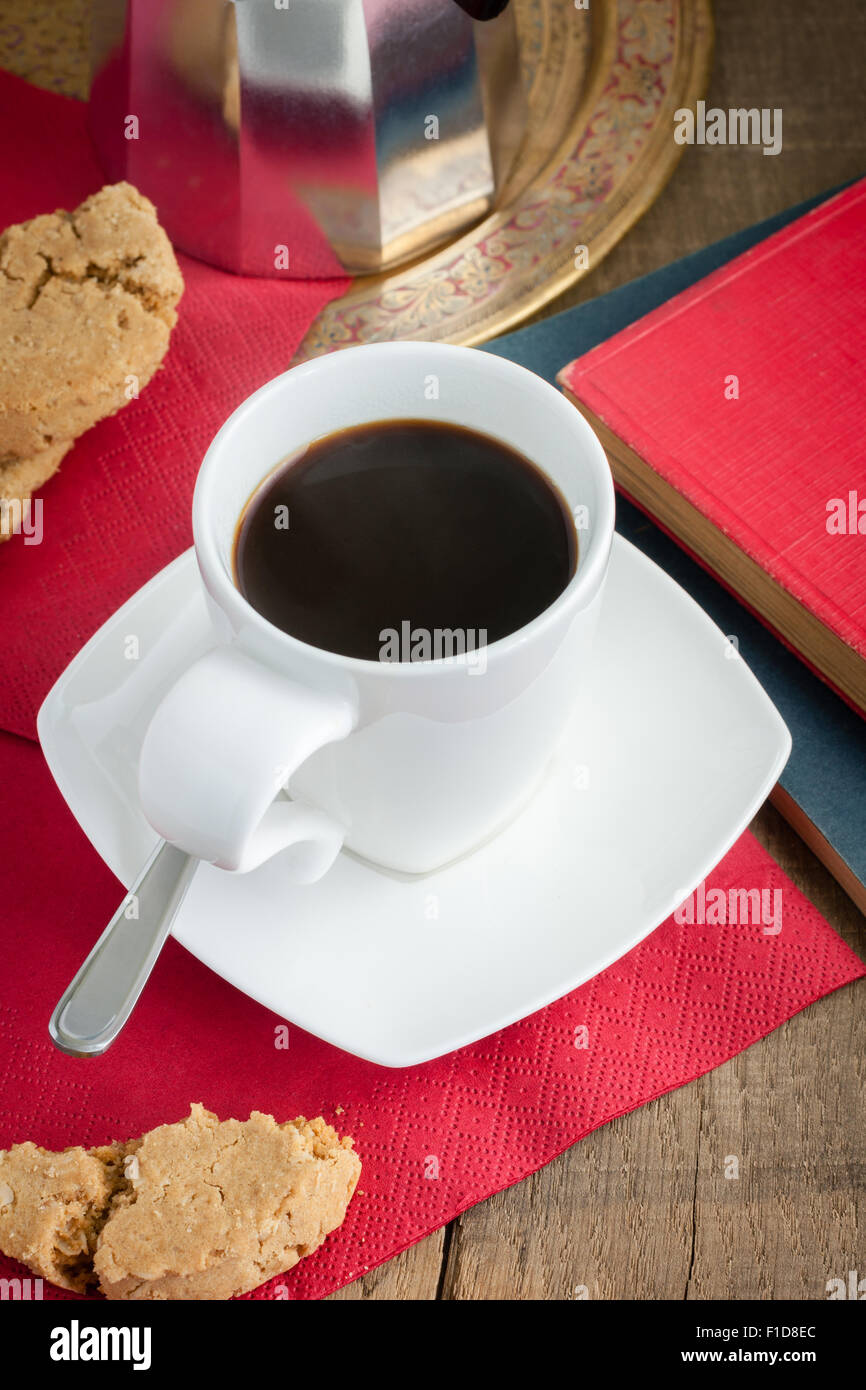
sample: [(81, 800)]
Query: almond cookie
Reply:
[(201, 1209), (53, 1206), (87, 305)]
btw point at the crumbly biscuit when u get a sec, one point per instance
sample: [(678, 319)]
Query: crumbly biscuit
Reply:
[(87, 303), (53, 1206), (20, 479), (201, 1209)]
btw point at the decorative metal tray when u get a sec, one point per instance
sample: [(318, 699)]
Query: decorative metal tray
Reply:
[(603, 85)]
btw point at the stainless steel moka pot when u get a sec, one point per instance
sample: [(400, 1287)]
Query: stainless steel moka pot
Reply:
[(305, 138)]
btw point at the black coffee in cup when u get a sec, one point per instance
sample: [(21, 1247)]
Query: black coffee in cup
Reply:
[(406, 526)]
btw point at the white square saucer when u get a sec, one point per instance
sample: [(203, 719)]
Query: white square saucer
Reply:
[(672, 748)]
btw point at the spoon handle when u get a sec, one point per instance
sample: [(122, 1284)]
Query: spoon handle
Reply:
[(103, 994)]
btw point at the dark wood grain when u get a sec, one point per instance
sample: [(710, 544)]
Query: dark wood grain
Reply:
[(805, 58)]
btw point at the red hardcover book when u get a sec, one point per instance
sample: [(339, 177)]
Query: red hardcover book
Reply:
[(735, 415)]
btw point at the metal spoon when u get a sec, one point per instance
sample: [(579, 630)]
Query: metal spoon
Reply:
[(106, 989)]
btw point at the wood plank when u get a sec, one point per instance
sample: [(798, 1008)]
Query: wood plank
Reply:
[(800, 58), (610, 1218), (784, 1110), (414, 1275)]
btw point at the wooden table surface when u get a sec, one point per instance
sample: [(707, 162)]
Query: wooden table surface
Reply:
[(641, 1209)]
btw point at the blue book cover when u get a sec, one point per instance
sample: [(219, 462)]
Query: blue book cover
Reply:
[(822, 791)]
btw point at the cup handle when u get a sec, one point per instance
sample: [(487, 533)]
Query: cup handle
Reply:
[(221, 745)]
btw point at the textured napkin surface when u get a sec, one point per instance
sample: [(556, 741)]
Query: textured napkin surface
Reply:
[(684, 1001), (119, 509)]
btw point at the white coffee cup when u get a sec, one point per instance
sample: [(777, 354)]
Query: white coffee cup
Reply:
[(269, 745)]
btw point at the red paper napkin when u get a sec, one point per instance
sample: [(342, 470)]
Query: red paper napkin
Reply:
[(119, 509), (433, 1139)]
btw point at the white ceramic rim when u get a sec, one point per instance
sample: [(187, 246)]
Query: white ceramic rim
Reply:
[(580, 590)]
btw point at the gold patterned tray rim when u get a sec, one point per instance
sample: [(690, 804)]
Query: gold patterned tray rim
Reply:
[(600, 231)]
